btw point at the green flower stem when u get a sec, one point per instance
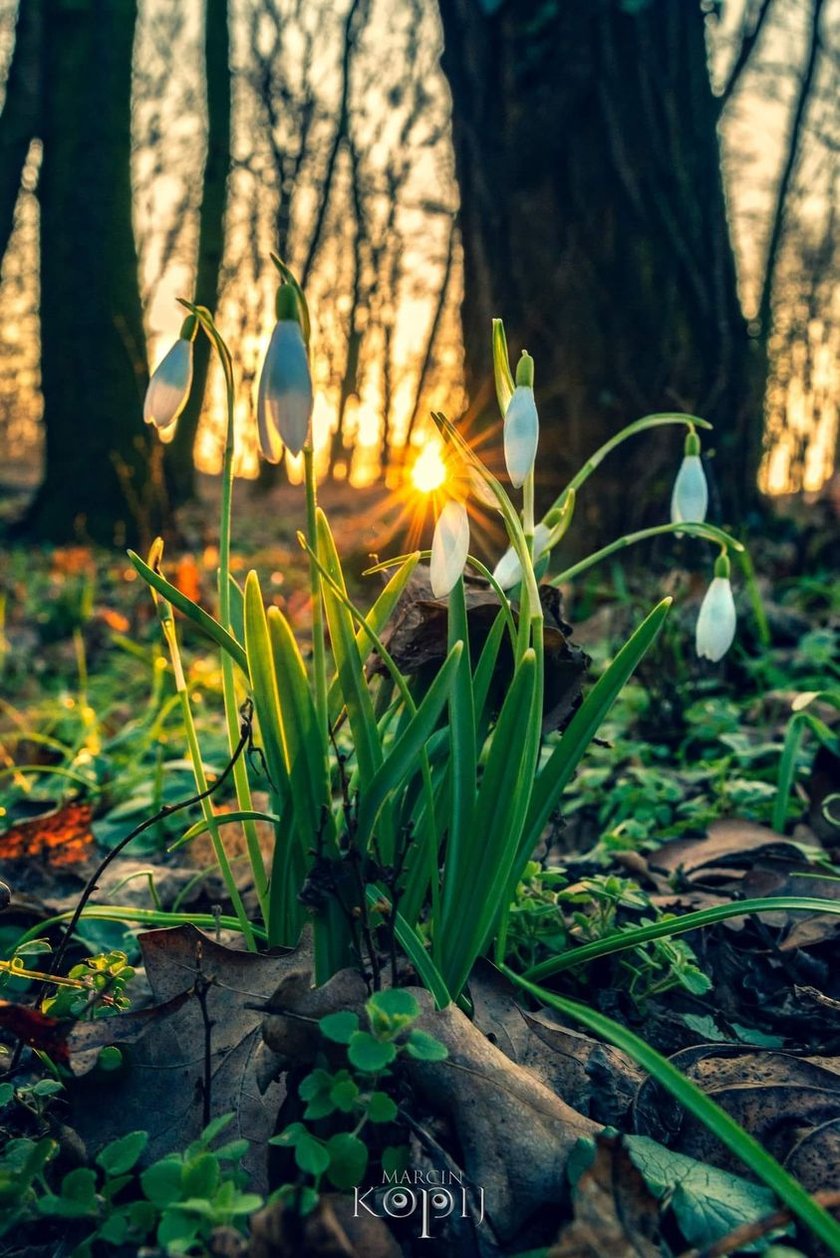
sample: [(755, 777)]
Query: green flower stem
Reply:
[(168, 626), (632, 938), (709, 531), (319, 656), (240, 771), (756, 601), (630, 430), (143, 917), (528, 509), (688, 1094), (530, 611)]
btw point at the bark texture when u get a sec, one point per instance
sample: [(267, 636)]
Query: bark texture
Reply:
[(98, 481)]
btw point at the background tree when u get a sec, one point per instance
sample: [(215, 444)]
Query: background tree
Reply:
[(594, 220), (93, 358), (21, 111)]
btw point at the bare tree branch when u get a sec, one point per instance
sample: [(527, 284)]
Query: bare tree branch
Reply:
[(791, 160), (749, 39)]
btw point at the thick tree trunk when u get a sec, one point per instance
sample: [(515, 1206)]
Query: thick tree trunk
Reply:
[(98, 481), (594, 222), (180, 464), (21, 111)]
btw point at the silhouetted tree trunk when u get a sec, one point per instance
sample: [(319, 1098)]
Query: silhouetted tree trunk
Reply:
[(98, 480), (180, 464), (594, 222), (21, 111)]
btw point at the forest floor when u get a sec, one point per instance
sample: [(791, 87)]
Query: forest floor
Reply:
[(676, 808)]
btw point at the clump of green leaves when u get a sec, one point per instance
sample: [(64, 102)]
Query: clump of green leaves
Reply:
[(358, 1092), (104, 979), (198, 1190), (552, 913), (178, 1200)]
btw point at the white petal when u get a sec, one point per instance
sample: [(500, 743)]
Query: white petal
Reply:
[(270, 442), (284, 405), (522, 432), (450, 547), (169, 387), (508, 571), (716, 622), (690, 498)]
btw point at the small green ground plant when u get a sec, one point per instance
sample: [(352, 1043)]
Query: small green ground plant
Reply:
[(356, 1093), (176, 1202)]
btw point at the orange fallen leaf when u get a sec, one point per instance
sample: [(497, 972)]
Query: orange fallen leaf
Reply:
[(61, 838)]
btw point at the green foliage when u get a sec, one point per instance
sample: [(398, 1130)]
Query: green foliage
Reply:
[(104, 978), (177, 1201), (552, 915), (352, 1093)]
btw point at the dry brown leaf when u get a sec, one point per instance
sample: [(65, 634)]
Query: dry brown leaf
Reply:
[(790, 1104), (615, 1214)]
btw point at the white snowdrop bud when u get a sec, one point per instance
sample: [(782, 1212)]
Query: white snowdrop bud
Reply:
[(450, 547), (717, 618), (171, 381), (690, 498), (284, 397), (508, 571)]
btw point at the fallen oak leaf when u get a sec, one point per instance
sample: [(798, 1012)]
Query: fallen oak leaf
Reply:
[(162, 1085)]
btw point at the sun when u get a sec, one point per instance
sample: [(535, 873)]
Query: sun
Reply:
[(428, 472)]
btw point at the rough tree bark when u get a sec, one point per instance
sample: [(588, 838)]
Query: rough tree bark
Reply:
[(594, 222), (98, 481), (179, 462), (21, 112)]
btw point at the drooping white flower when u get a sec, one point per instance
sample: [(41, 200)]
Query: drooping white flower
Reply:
[(508, 571), (169, 387), (521, 434), (690, 498), (717, 618), (284, 398), (450, 547)]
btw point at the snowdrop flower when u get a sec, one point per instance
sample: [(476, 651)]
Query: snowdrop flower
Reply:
[(508, 571), (284, 397), (169, 387), (450, 547), (716, 622), (522, 425), (691, 493)]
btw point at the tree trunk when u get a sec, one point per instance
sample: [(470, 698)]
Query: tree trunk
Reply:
[(98, 481), (594, 222), (180, 463), (21, 112)]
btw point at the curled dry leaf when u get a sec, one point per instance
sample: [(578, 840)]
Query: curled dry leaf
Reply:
[(595, 1078), (791, 1104), (416, 638), (615, 1213), (731, 847), (483, 1094)]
